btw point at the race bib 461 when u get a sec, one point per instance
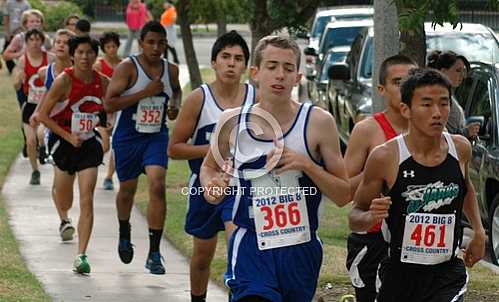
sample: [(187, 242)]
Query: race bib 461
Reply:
[(428, 238)]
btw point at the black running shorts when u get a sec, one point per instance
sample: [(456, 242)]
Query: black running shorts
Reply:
[(443, 282), (365, 252), (71, 159)]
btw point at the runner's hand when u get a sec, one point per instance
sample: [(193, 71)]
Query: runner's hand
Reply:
[(379, 208), (475, 250), (216, 189), (292, 160), (33, 120), (172, 112), (75, 140), (154, 87)]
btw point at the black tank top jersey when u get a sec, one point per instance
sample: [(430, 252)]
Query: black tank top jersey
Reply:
[(421, 189)]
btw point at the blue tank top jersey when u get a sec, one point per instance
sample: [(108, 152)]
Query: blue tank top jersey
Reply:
[(125, 127), (208, 118), (49, 77), (250, 159)]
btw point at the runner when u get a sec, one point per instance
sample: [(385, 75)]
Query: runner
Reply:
[(141, 88), (424, 176), (200, 112), (47, 74), (275, 253), (366, 250), (72, 109), (109, 43), (27, 79)]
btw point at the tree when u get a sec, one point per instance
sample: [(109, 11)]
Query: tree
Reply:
[(269, 16), (190, 53), (412, 15), (220, 12)]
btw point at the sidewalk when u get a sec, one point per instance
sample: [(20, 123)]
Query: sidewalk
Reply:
[(35, 223)]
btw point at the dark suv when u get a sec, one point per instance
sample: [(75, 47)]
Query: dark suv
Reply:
[(479, 96)]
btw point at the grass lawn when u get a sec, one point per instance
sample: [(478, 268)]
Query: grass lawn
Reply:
[(16, 282), (333, 231)]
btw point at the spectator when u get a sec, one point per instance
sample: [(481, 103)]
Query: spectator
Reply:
[(136, 16), (168, 19), (70, 22), (12, 24), (454, 67)]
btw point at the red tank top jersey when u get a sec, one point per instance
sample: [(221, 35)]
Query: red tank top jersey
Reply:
[(83, 97), (106, 69), (390, 133), (30, 70)]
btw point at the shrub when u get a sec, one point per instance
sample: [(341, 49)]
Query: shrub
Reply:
[(56, 14)]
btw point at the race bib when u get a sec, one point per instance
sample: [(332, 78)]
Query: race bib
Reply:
[(84, 124), (428, 238), (35, 93), (149, 114), (279, 210)]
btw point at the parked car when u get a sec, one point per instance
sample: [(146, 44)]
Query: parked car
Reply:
[(336, 34), (350, 85), (479, 96), (322, 18), (318, 92)]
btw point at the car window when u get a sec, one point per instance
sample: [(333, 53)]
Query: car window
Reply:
[(474, 46), (342, 36), (366, 67), (480, 103), (462, 93), (319, 25)]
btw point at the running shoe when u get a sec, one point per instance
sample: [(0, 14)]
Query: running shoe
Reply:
[(35, 178), (108, 184), (154, 264), (125, 250), (66, 230), (81, 265)]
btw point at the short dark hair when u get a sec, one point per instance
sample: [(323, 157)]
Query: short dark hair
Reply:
[(77, 40), (152, 26), (421, 77), (390, 61), (440, 60), (83, 25), (34, 32), (109, 36), (232, 38), (279, 42)]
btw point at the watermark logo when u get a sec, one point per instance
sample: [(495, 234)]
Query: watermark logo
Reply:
[(247, 153)]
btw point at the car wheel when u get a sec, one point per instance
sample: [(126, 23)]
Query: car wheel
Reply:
[(494, 230)]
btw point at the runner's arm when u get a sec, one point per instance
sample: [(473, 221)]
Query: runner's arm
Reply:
[(179, 148), (20, 75), (356, 153), (34, 117), (212, 175), (176, 89), (367, 208), (14, 50), (476, 247), (332, 179), (57, 93)]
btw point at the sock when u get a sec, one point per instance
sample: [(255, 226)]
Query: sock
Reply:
[(154, 239), (124, 229), (201, 298)]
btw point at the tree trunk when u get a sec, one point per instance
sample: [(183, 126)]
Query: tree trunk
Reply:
[(221, 27), (190, 53), (260, 24), (413, 42)]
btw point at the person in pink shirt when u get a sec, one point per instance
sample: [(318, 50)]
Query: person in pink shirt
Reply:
[(136, 16)]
